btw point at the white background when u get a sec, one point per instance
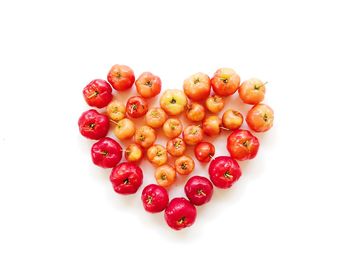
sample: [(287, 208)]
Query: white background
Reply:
[(291, 204)]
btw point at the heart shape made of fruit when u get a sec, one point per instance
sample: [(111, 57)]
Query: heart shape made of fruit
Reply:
[(195, 101)]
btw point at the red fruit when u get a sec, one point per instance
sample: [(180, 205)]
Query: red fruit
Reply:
[(180, 213), (106, 153), (136, 107), (98, 93), (224, 171), (155, 198), (121, 77), (199, 190), (93, 125), (242, 145), (225, 82), (204, 151), (126, 178), (148, 85)]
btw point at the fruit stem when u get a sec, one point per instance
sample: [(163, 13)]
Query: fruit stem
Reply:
[(149, 200), (200, 192), (93, 95), (181, 220), (113, 121), (227, 174), (224, 128), (258, 87), (105, 153)]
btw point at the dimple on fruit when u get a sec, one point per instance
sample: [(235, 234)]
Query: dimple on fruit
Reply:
[(93, 125), (106, 153), (224, 171), (126, 178), (180, 213)]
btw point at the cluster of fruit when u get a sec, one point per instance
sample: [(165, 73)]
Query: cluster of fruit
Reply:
[(194, 101)]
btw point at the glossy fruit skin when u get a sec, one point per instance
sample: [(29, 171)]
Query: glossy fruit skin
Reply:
[(148, 85), (136, 107), (180, 213), (225, 82), (211, 125), (93, 125), (98, 93), (252, 91), (116, 110), (106, 153), (199, 190), (224, 172), (242, 145), (172, 128), (157, 155), (232, 119), (215, 103), (145, 136), (260, 118), (176, 147), (204, 151), (155, 117), (155, 198), (184, 165), (121, 77), (197, 86), (195, 111), (126, 178), (173, 101), (133, 153), (165, 175), (193, 134), (124, 129)]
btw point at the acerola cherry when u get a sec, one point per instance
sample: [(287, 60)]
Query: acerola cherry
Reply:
[(184, 165), (133, 153), (126, 178), (195, 111), (165, 175), (106, 153), (224, 171), (252, 91), (176, 147), (98, 93), (157, 155), (232, 119), (136, 107), (242, 145), (180, 213), (193, 134), (225, 82), (93, 125), (148, 85), (116, 110), (199, 190), (155, 198), (204, 151), (260, 118), (212, 125), (197, 87), (145, 136), (121, 77)]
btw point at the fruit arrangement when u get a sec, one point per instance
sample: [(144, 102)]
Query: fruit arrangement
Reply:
[(200, 101)]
